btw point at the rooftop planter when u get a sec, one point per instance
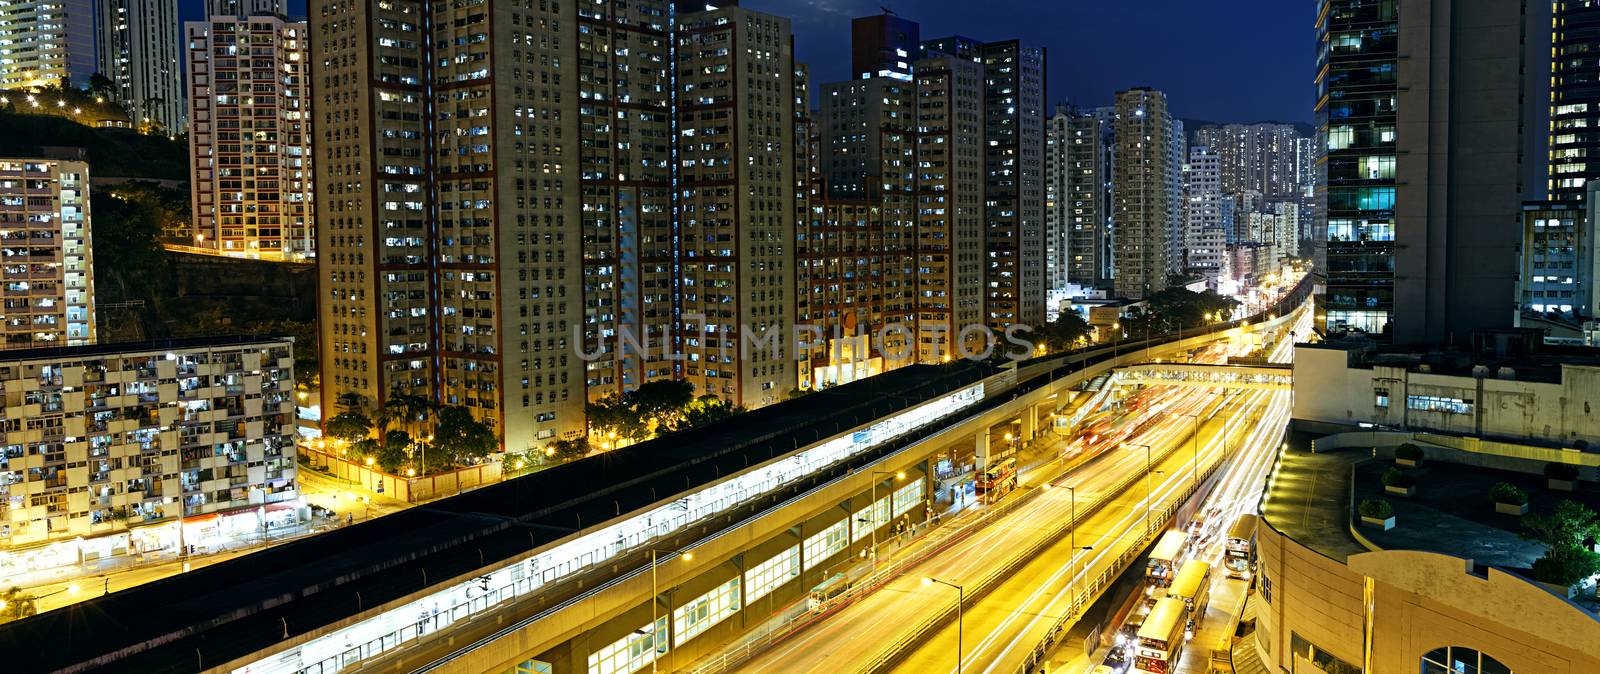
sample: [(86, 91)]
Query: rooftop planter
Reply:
[(1508, 499), (1399, 483), (1377, 513), (1408, 455), (1561, 476)]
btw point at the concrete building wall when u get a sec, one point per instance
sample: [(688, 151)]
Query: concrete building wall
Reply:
[(1308, 594), (1328, 390), (1314, 607), (1459, 154)]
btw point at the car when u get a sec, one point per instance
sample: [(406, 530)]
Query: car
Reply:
[(1116, 661)]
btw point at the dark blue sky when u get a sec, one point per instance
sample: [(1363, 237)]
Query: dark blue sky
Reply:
[(1217, 60)]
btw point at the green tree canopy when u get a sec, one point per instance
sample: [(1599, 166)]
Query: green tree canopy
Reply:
[(1062, 333), (569, 449), (704, 410), (348, 426), (460, 437)]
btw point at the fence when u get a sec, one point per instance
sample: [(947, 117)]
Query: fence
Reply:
[(409, 489)]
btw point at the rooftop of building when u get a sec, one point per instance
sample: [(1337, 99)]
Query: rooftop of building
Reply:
[(145, 346), (1518, 354), (234, 608), (1309, 499)]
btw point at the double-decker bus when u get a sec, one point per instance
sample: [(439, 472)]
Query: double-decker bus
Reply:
[(1161, 637), (1164, 558), (996, 481), (1192, 585), (1241, 546)]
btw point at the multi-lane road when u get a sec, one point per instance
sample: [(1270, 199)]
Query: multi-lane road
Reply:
[(1033, 588)]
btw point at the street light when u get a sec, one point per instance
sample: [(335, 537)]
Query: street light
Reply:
[(872, 510), (961, 594), (655, 604), (1072, 493)]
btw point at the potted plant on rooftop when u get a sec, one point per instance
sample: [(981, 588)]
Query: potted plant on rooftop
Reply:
[(1508, 499), (1561, 476), (1567, 561), (1408, 455), (1377, 513), (1399, 483)]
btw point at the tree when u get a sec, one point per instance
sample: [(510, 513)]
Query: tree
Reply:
[(348, 426), (461, 437), (102, 86), (569, 449), (1180, 308), (16, 605), (1569, 526), (397, 438), (612, 414), (391, 456), (642, 412), (363, 448), (411, 410), (126, 230), (1567, 560), (704, 410), (1062, 334), (660, 402)]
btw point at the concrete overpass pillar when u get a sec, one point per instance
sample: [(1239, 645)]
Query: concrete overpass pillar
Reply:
[(981, 448), (1030, 422)]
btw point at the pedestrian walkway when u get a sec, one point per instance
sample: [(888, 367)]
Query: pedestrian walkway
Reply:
[(1213, 638), (1246, 659)]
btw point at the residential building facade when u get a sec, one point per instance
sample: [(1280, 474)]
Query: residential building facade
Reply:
[(1091, 156), (736, 201), (1142, 194), (45, 43), (950, 204), (104, 441), (45, 235), (139, 53), (1266, 158), (1574, 100), (250, 137), (1014, 137), (581, 245), (1202, 203)]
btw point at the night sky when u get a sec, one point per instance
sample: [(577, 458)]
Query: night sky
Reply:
[(1217, 60)]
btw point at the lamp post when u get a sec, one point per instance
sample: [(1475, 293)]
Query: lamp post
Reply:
[(872, 510), (961, 594), (655, 605), (1072, 494), (1147, 491)]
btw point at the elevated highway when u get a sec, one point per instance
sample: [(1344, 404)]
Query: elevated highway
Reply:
[(741, 518)]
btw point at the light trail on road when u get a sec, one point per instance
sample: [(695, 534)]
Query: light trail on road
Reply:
[(1001, 627)]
